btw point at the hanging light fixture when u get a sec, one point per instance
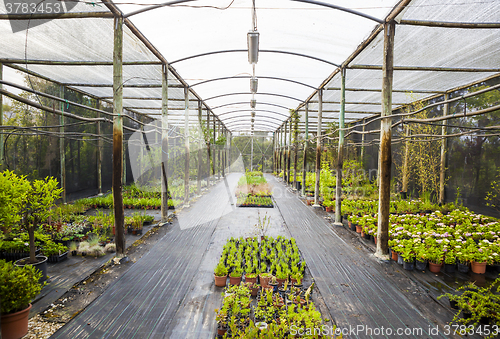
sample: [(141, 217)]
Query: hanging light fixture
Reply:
[(253, 46), (253, 114), (253, 84), (253, 103)]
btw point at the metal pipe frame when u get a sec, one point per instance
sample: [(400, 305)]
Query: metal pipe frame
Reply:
[(250, 77)]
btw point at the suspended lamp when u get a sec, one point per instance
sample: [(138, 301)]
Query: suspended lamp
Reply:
[(253, 46), (253, 84), (253, 114), (253, 103)]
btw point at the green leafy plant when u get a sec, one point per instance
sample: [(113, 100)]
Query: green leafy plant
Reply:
[(19, 285)]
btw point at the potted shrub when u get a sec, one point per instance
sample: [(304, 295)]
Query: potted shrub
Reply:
[(13, 189), (220, 274), (37, 201), (19, 285)]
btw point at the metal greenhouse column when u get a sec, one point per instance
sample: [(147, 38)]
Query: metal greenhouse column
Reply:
[(340, 154), (207, 140), (285, 153), (223, 154), (118, 135), (444, 150), (385, 156), (318, 148), (214, 149), (199, 150), (304, 167), (62, 146), (164, 143), (186, 145)]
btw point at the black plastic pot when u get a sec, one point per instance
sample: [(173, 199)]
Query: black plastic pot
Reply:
[(420, 265), (449, 268), (462, 268), (353, 227), (454, 304), (40, 266), (400, 259), (408, 265)]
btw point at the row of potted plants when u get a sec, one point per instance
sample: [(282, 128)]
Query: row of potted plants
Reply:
[(285, 314), (253, 190), (458, 238), (271, 256)]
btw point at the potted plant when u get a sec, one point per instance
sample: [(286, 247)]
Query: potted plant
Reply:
[(220, 275), (235, 276), (37, 201), (19, 285)]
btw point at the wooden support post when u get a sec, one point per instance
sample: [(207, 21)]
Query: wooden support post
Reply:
[(214, 155), (99, 151), (223, 155), (444, 150), (274, 154), (304, 161), (340, 154), (209, 153), (278, 150), (164, 143), (318, 148), (363, 143), (285, 160), (199, 149), (385, 153), (251, 152), (405, 160), (229, 143), (2, 160), (295, 149), (118, 135), (218, 150), (289, 152), (62, 146), (186, 145)]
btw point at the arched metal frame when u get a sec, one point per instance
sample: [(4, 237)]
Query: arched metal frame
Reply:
[(249, 77), (245, 118), (249, 93), (246, 102), (311, 2), (260, 51), (255, 110)]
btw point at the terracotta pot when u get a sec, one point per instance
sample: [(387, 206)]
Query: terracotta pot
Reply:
[(362, 233), (349, 223), (251, 280), (264, 282), (394, 255), (308, 202), (220, 281), (375, 239), (15, 325), (359, 229), (328, 209), (478, 267), (293, 281), (281, 282), (234, 280), (434, 268), (221, 330)]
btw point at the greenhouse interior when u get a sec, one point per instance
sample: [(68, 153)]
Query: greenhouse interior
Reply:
[(249, 169)]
